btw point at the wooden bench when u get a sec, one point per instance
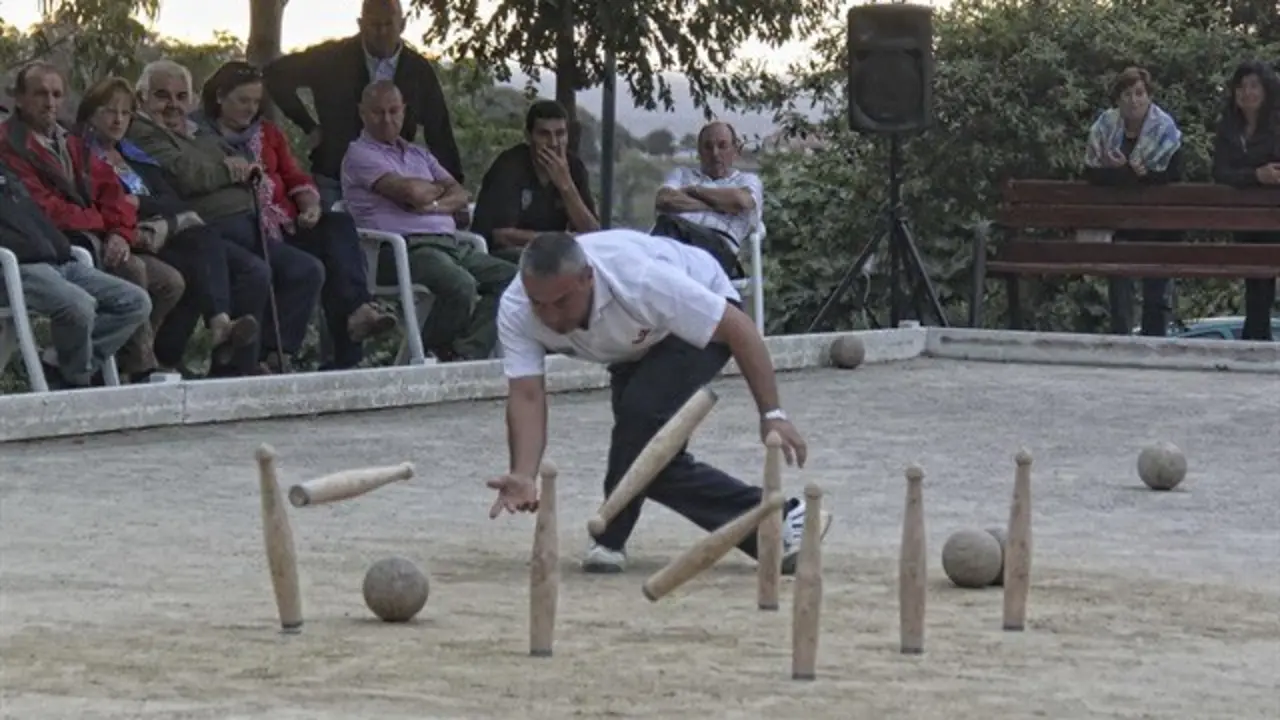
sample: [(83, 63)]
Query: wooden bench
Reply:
[(1050, 205)]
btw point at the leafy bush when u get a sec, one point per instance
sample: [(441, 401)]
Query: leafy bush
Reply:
[(1017, 85)]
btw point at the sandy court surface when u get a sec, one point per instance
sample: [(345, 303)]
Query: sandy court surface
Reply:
[(133, 582)]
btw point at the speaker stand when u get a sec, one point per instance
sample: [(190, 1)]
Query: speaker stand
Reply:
[(904, 258)]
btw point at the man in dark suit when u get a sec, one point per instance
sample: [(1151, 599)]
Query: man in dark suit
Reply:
[(336, 73)]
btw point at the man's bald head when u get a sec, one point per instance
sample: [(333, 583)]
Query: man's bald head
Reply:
[(381, 25), (379, 90), (382, 110)]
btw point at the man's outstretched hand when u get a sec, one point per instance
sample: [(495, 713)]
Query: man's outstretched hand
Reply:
[(516, 493), (793, 445)]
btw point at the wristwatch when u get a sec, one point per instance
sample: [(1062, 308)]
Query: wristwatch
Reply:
[(775, 414)]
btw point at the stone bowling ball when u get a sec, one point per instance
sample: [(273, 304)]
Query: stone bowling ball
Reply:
[(972, 558), (999, 534), (848, 352), (1162, 466), (395, 589)]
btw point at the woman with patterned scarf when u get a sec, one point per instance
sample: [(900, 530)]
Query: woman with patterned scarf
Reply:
[(221, 285), (1135, 143), (289, 212)]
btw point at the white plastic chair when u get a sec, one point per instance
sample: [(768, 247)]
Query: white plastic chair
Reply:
[(415, 300), (15, 325), (753, 284)]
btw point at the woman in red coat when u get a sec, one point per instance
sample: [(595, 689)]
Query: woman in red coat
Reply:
[(289, 207)]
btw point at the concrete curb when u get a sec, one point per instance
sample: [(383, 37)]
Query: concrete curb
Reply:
[(1102, 350), (33, 416)]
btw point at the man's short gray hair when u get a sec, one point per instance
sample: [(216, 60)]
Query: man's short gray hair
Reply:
[(376, 89), (161, 67), (550, 254)]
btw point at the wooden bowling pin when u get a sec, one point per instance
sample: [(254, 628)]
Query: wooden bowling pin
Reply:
[(806, 599), (912, 566), (544, 570), (277, 534), (769, 533), (1017, 553)]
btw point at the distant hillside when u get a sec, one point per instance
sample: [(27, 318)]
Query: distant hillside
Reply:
[(685, 118)]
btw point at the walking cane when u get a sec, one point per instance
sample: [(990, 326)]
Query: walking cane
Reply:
[(255, 179)]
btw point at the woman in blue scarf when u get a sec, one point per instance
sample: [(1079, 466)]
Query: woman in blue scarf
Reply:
[(1136, 143), (223, 281)]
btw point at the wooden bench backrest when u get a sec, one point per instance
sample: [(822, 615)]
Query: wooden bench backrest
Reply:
[(1051, 204), (1140, 253)]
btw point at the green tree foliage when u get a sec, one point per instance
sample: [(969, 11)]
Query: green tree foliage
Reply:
[(698, 38), (1017, 85), (91, 39), (660, 142)]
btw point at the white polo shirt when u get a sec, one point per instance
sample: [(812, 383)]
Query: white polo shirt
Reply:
[(736, 225), (646, 288)]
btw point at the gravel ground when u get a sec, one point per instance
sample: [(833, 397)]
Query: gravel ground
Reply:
[(133, 582)]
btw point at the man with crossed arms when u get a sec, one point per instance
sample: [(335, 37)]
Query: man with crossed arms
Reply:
[(665, 318)]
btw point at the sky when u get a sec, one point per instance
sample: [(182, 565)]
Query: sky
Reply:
[(307, 22)]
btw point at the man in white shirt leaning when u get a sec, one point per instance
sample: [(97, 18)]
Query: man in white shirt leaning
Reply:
[(665, 318)]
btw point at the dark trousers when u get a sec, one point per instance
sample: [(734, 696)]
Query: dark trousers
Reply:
[(221, 276), (1157, 300), (336, 244), (296, 277), (646, 393), (1259, 294)]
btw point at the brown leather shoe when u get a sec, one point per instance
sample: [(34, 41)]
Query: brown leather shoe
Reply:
[(367, 321)]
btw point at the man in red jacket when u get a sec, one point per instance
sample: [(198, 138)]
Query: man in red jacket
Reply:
[(82, 195), (91, 314)]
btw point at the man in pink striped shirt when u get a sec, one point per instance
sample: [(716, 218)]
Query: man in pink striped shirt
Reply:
[(395, 186)]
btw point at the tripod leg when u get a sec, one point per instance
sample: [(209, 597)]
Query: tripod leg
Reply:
[(922, 276), (845, 283)]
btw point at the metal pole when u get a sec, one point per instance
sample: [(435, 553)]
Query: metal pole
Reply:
[(608, 115)]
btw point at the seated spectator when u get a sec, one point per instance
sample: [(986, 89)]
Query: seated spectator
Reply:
[(222, 283), (1246, 153), (336, 72), (715, 206), (536, 186), (83, 198), (91, 314), (392, 185), (1136, 143), (237, 171)]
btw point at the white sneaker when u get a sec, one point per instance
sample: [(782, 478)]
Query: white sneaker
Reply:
[(793, 533), (601, 559)]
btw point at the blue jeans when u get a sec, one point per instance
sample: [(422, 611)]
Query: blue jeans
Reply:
[(92, 314)]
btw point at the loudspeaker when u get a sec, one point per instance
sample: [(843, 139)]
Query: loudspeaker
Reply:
[(890, 68)]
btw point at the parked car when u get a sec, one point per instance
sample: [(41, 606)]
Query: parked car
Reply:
[(1227, 327), (1219, 328)]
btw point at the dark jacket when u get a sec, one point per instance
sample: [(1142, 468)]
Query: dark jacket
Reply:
[(162, 200), (512, 196), (1236, 158), (336, 74), (24, 228)]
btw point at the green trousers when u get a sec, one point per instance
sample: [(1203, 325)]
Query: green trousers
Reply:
[(467, 285)]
